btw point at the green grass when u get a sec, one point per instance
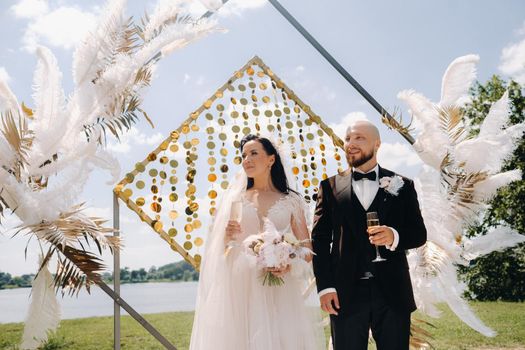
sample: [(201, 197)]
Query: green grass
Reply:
[(508, 319)]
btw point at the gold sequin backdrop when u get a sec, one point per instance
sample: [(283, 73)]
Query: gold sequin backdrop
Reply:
[(176, 188)]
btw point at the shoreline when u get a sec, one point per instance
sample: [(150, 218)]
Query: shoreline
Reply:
[(110, 282)]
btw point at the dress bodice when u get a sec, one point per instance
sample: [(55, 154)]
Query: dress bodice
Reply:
[(280, 214)]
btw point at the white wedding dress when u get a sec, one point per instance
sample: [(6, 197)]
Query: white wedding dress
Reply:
[(235, 311)]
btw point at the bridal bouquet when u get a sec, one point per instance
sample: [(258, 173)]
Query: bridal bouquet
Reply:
[(274, 249)]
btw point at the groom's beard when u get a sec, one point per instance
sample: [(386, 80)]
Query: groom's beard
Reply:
[(357, 162)]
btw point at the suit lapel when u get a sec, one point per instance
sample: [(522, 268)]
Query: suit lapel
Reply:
[(343, 190), (343, 194)]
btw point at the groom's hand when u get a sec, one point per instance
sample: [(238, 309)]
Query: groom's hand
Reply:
[(381, 235), (330, 303)]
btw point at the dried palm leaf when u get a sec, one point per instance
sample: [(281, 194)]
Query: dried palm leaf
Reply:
[(459, 183), (431, 258), (77, 268), (73, 228), (143, 76), (129, 108), (19, 137), (27, 111), (396, 122), (129, 38), (123, 40), (148, 30), (420, 337), (451, 122)]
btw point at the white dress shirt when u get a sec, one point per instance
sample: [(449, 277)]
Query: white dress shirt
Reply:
[(366, 191)]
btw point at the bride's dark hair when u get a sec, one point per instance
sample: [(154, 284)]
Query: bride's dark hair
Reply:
[(277, 173)]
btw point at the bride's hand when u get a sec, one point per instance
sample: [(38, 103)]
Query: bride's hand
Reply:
[(233, 230), (280, 271)]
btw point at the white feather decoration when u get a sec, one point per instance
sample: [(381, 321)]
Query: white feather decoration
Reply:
[(497, 118), (451, 291), (88, 58), (212, 5), (426, 113), (496, 239), (486, 189), (7, 98), (164, 11), (457, 80), (48, 95), (49, 107), (179, 34), (420, 107), (488, 153), (446, 210), (43, 315), (46, 160)]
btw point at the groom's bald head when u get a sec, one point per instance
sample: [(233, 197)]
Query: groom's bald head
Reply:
[(362, 141), (366, 127)]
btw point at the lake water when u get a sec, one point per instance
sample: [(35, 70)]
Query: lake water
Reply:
[(143, 297)]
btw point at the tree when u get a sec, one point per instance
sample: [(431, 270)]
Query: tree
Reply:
[(187, 276), (500, 275), (5, 279), (125, 274), (142, 274)]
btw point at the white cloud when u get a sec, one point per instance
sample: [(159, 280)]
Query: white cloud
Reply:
[(340, 127), (63, 26), (135, 137), (4, 76), (521, 31), (512, 60), (187, 78), (397, 156), (30, 8)]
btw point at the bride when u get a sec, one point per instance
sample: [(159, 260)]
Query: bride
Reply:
[(234, 310)]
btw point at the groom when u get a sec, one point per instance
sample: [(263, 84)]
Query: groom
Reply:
[(357, 293)]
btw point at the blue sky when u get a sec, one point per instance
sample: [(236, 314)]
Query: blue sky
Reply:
[(386, 45)]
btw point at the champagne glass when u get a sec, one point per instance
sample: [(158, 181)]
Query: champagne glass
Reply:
[(235, 215), (372, 219)]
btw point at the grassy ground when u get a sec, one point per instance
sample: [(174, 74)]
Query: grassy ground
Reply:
[(508, 319)]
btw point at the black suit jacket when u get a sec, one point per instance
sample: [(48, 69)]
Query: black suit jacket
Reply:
[(336, 248)]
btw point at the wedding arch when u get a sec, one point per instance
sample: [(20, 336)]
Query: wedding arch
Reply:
[(174, 190)]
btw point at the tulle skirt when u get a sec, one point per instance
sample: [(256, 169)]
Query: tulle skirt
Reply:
[(239, 313)]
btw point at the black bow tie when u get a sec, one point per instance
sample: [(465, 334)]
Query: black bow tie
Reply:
[(360, 176)]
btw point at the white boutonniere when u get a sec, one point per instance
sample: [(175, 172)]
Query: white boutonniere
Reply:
[(391, 185)]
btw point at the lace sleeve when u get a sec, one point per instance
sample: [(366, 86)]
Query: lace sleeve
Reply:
[(299, 211)]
